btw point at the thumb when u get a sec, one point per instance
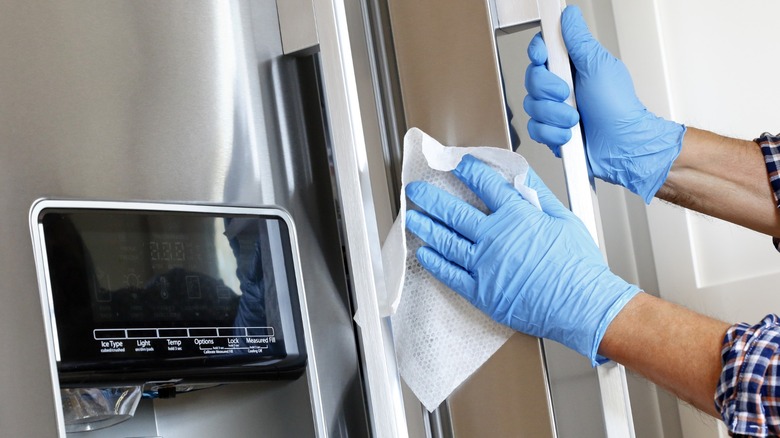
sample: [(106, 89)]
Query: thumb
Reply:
[(585, 52), (537, 51)]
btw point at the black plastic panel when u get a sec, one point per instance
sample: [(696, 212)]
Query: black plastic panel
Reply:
[(150, 295)]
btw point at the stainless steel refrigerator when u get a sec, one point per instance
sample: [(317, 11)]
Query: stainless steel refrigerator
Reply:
[(299, 104)]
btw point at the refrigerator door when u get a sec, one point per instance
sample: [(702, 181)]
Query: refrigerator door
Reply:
[(452, 88)]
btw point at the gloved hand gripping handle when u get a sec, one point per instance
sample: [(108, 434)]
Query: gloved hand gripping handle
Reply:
[(579, 184)]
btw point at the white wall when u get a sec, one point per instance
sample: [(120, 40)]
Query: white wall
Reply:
[(722, 71), (709, 64)]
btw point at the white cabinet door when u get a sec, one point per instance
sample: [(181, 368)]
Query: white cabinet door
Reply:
[(708, 64)]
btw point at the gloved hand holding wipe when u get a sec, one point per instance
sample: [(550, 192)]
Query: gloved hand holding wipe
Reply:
[(538, 272), (625, 143)]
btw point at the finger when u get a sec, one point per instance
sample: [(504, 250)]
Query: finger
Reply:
[(583, 48), (557, 114), (455, 213), (549, 135), (446, 242), (544, 84), (537, 50), (547, 200), (488, 184), (453, 276)]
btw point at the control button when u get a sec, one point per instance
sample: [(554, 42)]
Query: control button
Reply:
[(141, 333), (109, 334), (260, 331), (172, 333), (203, 332), (231, 331)]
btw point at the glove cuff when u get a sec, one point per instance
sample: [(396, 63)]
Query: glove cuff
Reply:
[(672, 139), (626, 292)]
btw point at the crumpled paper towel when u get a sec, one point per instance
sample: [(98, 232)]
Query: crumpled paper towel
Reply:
[(440, 339)]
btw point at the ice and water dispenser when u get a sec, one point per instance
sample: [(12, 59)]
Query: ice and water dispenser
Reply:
[(148, 300)]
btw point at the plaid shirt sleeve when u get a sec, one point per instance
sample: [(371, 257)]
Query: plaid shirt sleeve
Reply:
[(770, 147), (748, 393)]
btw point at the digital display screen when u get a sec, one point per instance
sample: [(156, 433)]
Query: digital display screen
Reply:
[(149, 286)]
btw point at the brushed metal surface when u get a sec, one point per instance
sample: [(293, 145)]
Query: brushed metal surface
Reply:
[(451, 88), (166, 101), (507, 396), (296, 22), (513, 13), (448, 70)]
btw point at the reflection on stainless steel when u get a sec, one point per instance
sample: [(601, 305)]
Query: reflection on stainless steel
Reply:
[(87, 409)]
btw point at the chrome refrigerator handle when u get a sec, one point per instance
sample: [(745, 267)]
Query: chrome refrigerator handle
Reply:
[(381, 378), (582, 201)]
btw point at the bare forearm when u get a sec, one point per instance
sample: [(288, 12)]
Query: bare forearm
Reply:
[(673, 347), (724, 178)]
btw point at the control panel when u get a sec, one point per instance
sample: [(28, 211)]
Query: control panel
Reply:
[(163, 291)]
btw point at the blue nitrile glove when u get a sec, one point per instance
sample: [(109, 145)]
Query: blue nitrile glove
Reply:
[(626, 144), (538, 272)]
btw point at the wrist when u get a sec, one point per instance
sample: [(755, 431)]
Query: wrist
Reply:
[(622, 292), (592, 308), (725, 178), (661, 341), (667, 150)]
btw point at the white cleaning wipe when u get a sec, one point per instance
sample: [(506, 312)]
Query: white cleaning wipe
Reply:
[(440, 338)]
